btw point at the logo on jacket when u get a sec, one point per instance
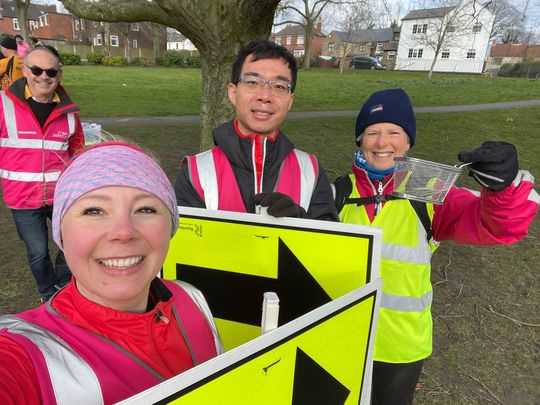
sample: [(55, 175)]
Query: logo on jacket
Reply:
[(60, 134), (376, 108)]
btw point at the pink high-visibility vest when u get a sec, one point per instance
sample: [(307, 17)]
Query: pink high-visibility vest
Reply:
[(32, 158), (212, 176), (75, 366)]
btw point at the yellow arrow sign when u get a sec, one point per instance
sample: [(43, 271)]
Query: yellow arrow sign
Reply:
[(323, 357), (234, 258)]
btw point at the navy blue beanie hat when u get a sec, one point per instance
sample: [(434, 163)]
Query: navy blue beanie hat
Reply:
[(392, 106)]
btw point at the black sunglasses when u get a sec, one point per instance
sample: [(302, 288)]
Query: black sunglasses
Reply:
[(37, 71)]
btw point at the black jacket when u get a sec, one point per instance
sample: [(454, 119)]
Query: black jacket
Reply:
[(239, 153)]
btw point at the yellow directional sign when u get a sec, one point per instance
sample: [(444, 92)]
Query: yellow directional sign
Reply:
[(323, 357), (233, 258)]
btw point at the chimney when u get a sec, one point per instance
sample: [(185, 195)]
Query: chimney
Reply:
[(319, 25)]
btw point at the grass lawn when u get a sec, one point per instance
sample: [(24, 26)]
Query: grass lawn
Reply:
[(485, 298), (134, 91)]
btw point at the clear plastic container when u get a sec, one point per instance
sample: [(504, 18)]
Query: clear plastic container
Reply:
[(422, 180), (92, 133)]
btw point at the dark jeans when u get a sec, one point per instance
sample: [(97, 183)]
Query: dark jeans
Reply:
[(32, 228), (394, 384)]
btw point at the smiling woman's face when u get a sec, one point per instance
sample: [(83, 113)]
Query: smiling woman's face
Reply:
[(115, 240), (382, 142)]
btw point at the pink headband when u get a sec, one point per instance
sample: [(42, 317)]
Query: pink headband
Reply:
[(110, 164)]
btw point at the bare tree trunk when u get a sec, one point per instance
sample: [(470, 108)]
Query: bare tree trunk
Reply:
[(156, 38), (21, 7), (107, 38), (307, 42), (430, 73)]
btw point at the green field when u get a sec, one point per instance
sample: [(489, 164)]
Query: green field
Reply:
[(485, 308), (134, 91)]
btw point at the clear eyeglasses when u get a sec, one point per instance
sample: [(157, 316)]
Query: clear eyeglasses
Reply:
[(254, 84)]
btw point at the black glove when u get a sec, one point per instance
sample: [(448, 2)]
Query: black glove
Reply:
[(494, 164), (279, 205)]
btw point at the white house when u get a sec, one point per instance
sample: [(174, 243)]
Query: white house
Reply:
[(459, 35), (178, 42)]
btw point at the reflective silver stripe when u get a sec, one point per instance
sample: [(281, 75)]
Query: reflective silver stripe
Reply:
[(534, 197), (307, 178), (32, 144), (25, 176), (199, 299), (208, 178), (9, 116), (71, 124), (418, 255), (406, 304), (73, 380)]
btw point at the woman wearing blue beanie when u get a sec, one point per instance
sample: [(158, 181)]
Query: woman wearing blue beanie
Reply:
[(500, 214)]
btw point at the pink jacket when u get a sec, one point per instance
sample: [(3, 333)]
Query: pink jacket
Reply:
[(213, 178), (32, 158)]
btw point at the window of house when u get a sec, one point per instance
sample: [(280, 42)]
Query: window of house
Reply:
[(477, 27), (33, 25), (82, 24), (331, 46), (134, 26), (95, 24), (135, 44), (76, 25), (419, 28), (113, 40), (298, 53), (450, 28), (289, 40), (471, 54), (445, 54), (43, 20), (415, 53), (278, 40), (16, 25), (97, 40), (391, 54), (379, 48), (362, 47), (300, 40)]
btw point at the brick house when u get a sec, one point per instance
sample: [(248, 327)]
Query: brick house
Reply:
[(512, 53), (292, 37), (380, 43), (44, 21)]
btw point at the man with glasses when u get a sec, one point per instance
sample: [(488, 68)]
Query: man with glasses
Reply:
[(39, 133), (253, 163)]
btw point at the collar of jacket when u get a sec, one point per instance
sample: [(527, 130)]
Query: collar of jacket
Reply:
[(16, 91), (239, 149)]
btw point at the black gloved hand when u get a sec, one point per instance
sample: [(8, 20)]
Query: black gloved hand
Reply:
[(494, 164), (279, 204)]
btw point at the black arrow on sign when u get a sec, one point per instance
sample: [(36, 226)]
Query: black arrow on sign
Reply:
[(238, 297), (314, 385)]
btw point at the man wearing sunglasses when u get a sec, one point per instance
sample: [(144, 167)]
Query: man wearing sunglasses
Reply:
[(39, 133), (254, 164)]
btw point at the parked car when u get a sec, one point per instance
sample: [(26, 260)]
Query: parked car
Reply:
[(366, 62)]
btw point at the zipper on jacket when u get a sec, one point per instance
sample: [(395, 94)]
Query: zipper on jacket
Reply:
[(161, 317), (378, 206)]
